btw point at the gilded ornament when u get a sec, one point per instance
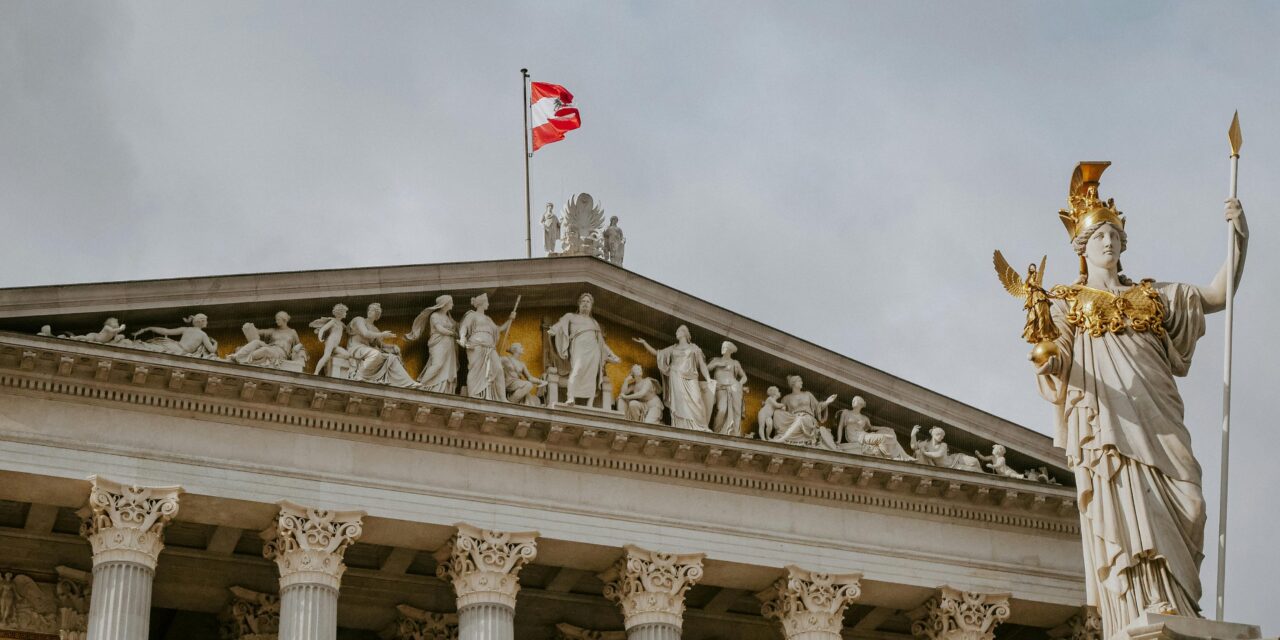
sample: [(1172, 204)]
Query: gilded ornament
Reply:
[(1039, 329)]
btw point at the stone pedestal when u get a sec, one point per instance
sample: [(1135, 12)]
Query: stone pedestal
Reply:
[(808, 605), (125, 526), (1159, 626), (649, 587), (307, 545), (953, 614), (484, 567)]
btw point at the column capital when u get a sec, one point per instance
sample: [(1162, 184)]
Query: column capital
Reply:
[(416, 624), (1085, 625), (125, 523), (308, 544), (650, 585), (251, 615), (952, 614), (484, 565), (809, 605), (566, 631)]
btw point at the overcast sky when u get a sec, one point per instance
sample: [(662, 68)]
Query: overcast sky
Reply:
[(841, 171)]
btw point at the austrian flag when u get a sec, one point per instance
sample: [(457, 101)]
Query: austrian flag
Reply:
[(553, 113)]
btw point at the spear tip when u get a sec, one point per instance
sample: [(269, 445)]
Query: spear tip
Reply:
[(1233, 134)]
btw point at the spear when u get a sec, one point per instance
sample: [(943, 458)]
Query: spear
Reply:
[(502, 345), (1233, 136)]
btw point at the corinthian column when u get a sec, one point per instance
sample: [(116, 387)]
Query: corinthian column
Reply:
[(649, 587), (125, 526), (953, 614), (307, 545), (810, 606), (484, 568)]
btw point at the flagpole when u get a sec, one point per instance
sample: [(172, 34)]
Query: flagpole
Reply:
[(1233, 136), (528, 206)]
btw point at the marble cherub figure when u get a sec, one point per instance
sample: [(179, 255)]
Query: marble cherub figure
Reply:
[(764, 418), (112, 332), (330, 331), (996, 462)]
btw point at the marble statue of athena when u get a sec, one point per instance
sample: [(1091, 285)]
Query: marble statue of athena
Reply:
[(1120, 416)]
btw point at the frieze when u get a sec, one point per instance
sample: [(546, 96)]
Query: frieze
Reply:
[(501, 429)]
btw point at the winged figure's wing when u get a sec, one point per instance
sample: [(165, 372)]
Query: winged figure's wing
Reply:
[(582, 213), (1009, 276), (1040, 272), (597, 216), (42, 602)]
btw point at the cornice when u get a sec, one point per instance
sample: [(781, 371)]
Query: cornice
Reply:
[(223, 391)]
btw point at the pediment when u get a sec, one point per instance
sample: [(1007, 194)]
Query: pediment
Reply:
[(628, 305)]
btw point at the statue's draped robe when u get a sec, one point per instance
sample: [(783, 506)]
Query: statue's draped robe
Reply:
[(485, 375), (579, 340), (1120, 419), (729, 394), (798, 421), (688, 396), (441, 372), (375, 362)]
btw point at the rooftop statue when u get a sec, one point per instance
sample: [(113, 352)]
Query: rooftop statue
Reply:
[(274, 348), (1110, 375), (376, 361), (578, 340), (581, 227), (765, 417), (613, 243), (996, 463), (478, 334), (550, 229), (441, 371)]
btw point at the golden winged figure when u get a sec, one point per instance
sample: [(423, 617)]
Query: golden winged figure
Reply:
[(1039, 330)]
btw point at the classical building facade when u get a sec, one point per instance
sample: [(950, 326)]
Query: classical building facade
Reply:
[(241, 477)]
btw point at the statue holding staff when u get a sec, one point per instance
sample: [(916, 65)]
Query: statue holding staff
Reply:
[(1120, 345)]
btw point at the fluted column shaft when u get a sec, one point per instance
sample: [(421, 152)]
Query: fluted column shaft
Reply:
[(125, 526), (484, 568), (308, 545), (649, 587), (655, 631)]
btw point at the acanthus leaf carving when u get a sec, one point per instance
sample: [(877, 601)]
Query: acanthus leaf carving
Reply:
[(810, 605), (566, 631), (953, 614), (308, 544), (484, 565), (251, 616), (650, 586), (416, 624), (125, 523)]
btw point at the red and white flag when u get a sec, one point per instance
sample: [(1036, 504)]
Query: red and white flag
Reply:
[(551, 107)]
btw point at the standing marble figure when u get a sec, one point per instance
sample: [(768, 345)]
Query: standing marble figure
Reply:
[(550, 229), (441, 371), (578, 339), (688, 385), (1120, 416), (478, 334), (731, 384)]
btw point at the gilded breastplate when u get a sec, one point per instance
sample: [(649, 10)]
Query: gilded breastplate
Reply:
[(1139, 308)]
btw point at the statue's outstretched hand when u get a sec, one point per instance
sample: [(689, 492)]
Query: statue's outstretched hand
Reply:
[(1051, 367), (1235, 215)]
